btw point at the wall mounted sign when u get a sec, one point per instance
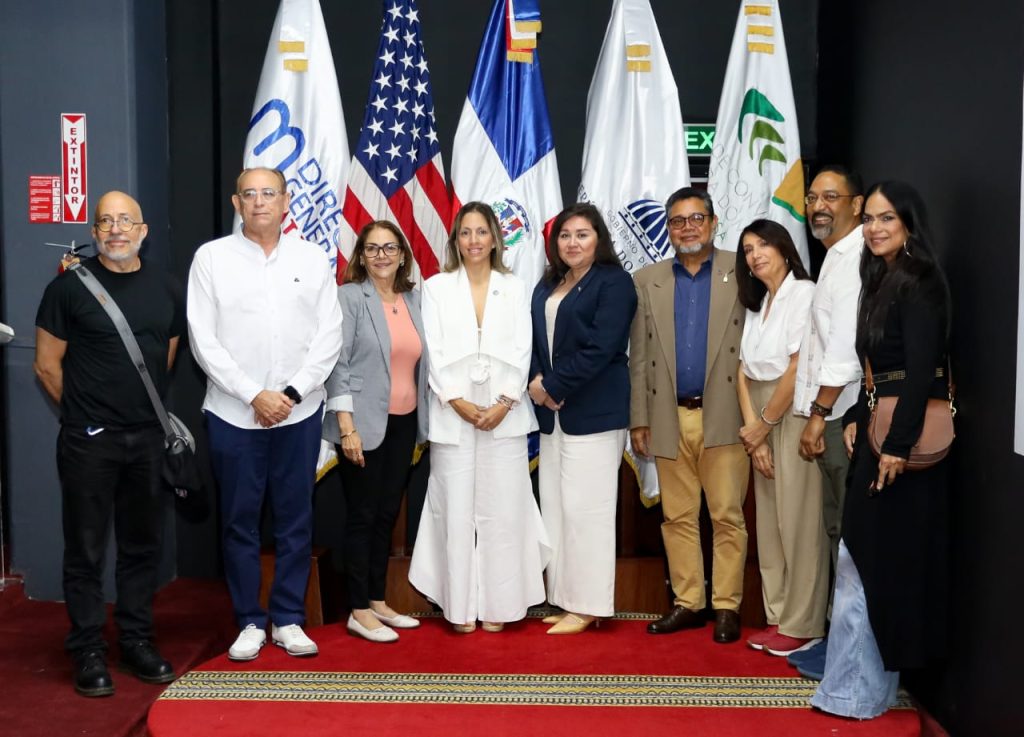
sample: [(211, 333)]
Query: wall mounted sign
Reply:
[(44, 198), (74, 168)]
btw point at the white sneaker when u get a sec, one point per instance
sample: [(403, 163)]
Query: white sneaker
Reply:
[(380, 634), (248, 643), (293, 640)]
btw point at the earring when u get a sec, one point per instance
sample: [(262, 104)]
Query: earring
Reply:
[(750, 271), (787, 260), (401, 262), (905, 249), (361, 262)]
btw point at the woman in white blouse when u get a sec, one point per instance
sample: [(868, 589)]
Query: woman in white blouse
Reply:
[(792, 547), (481, 547)]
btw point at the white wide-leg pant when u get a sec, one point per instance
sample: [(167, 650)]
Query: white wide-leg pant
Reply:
[(579, 481), (481, 547)]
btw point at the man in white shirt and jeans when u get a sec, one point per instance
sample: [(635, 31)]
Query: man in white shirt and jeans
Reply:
[(828, 371), (265, 326)]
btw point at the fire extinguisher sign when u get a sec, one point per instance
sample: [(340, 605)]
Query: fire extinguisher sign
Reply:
[(74, 168)]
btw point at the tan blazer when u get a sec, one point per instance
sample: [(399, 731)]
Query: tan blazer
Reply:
[(652, 357)]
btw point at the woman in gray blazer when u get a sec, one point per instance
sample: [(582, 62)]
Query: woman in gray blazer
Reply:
[(376, 412)]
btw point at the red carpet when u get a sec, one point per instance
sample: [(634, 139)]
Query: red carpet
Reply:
[(614, 681), (192, 620)]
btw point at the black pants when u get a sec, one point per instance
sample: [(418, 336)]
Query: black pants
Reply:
[(110, 474), (373, 495)]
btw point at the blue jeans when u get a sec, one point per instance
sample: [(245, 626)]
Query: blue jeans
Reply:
[(249, 464), (856, 684)]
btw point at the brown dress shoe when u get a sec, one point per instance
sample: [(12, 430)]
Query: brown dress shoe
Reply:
[(727, 625), (680, 618)]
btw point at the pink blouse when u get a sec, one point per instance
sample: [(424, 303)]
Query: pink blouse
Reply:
[(406, 350)]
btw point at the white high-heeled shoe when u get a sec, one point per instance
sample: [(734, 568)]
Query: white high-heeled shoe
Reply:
[(381, 634)]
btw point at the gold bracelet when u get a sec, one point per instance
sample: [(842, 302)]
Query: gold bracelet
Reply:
[(353, 431)]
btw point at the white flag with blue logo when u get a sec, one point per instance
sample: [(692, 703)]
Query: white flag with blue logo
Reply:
[(504, 152), (298, 126), (634, 153), (756, 170)]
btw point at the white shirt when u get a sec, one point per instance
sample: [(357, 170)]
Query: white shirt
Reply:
[(260, 322), (769, 340), (829, 355)]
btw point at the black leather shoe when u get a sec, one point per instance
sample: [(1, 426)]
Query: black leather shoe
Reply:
[(680, 618), (143, 661), (727, 625), (91, 675)]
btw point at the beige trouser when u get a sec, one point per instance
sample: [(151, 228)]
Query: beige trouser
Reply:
[(792, 547), (723, 472)]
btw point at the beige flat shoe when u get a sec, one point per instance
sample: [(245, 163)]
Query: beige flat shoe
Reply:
[(464, 629)]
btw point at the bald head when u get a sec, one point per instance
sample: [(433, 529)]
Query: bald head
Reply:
[(119, 230)]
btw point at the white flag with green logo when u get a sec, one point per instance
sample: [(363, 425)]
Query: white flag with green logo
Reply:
[(756, 170)]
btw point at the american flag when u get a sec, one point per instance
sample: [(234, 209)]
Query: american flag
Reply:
[(397, 173)]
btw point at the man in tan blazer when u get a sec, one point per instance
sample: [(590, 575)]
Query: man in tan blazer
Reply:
[(683, 358)]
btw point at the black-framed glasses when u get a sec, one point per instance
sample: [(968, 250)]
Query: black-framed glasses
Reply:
[(679, 221), (124, 223), (830, 197), (267, 193), (388, 249)]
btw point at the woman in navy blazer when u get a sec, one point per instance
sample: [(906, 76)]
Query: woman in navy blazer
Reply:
[(376, 411), (582, 310)]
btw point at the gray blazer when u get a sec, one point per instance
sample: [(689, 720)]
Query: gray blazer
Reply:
[(361, 380)]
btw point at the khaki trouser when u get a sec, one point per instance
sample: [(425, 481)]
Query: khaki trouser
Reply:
[(792, 548), (723, 473)]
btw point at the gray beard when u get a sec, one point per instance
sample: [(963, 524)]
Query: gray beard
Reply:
[(821, 232), (690, 250)]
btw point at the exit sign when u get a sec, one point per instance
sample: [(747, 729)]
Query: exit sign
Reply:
[(699, 139)]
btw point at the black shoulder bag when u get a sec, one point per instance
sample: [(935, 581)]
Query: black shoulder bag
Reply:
[(180, 471)]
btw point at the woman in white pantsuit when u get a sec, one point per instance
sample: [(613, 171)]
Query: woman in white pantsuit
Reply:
[(481, 547), (792, 548), (582, 311)]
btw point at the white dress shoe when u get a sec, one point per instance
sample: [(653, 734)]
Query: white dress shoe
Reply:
[(293, 640), (248, 643), (399, 621), (381, 634)]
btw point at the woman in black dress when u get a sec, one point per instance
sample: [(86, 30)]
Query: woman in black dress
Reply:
[(889, 612)]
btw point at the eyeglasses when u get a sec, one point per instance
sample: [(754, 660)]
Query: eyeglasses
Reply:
[(124, 223), (679, 221), (267, 193), (388, 249), (829, 197)]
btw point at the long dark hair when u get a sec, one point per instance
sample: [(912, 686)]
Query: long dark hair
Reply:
[(750, 289), (915, 269), (603, 254), (356, 270)]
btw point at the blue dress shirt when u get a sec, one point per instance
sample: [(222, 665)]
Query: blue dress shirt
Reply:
[(692, 307)]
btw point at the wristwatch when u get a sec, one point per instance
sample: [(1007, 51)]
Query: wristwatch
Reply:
[(820, 409), (289, 391)]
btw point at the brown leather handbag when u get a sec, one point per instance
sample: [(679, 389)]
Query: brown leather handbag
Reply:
[(936, 434)]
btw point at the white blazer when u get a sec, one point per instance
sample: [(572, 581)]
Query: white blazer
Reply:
[(505, 340)]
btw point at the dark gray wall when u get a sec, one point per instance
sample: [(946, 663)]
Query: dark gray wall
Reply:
[(106, 60), (930, 92)]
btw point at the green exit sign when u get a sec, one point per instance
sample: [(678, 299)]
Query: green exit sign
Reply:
[(699, 139)]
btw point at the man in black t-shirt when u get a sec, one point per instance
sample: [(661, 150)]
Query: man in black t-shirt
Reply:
[(110, 447)]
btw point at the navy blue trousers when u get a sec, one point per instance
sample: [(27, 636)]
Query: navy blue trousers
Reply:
[(249, 464)]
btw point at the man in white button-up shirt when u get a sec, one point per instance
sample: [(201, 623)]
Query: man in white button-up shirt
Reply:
[(265, 325), (828, 371)]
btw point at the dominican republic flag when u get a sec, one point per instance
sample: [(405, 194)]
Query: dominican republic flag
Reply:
[(756, 170), (397, 173), (298, 126), (634, 154), (504, 152)]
